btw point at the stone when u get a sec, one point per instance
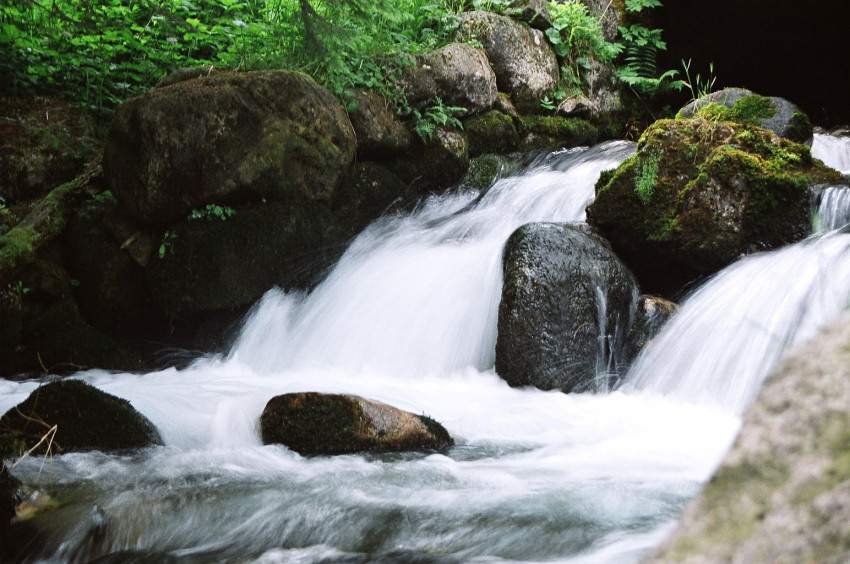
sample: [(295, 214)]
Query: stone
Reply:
[(699, 194), (651, 315), (312, 423), (458, 74), (782, 493), (227, 137), (380, 133), (566, 307), (525, 65), (85, 419)]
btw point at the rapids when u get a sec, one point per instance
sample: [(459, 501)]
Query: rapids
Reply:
[(408, 317)]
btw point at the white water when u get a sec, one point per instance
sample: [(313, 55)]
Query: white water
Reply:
[(833, 151), (408, 317)]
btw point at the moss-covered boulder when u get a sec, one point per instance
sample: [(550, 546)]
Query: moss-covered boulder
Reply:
[(525, 65), (312, 423), (225, 138), (744, 106), (782, 494), (491, 132), (546, 132), (85, 419), (434, 165), (566, 306), (458, 74), (698, 194)]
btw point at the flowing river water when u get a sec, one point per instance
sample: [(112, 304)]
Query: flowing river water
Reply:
[(408, 317)]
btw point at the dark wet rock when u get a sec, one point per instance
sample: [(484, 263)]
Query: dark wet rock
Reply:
[(458, 74), (650, 316), (11, 493), (370, 191), (85, 419), (699, 194), (744, 106), (566, 307), (225, 139), (312, 423), (550, 132), (485, 169), (525, 65), (380, 133), (436, 164), (782, 494)]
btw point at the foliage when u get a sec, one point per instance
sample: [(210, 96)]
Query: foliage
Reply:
[(640, 48), (647, 176), (697, 86), (436, 115), (212, 212), (577, 39), (102, 53), (167, 244)]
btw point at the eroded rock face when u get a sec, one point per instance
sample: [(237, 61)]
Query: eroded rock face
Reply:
[(782, 494), (567, 304), (85, 419), (698, 194), (744, 106), (651, 315), (458, 74), (312, 423), (269, 134), (525, 65), (380, 133)]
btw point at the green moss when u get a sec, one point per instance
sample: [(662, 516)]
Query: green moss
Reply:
[(566, 131), (647, 176), (437, 431), (746, 110), (17, 247)]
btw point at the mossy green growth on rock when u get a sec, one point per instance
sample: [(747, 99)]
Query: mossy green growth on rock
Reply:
[(563, 131), (491, 132), (747, 110), (85, 419), (698, 194)]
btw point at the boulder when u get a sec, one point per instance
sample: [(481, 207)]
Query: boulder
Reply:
[(227, 138), (458, 74), (85, 418), (782, 493), (436, 164), (311, 423), (744, 106), (491, 132), (525, 65), (607, 13), (551, 132), (380, 133), (698, 194), (566, 307)]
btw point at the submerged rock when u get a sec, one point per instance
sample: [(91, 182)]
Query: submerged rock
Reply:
[(567, 303), (699, 194), (312, 423), (782, 494), (84, 418), (525, 65), (263, 134)]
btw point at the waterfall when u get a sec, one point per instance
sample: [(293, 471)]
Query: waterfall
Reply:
[(408, 317), (834, 151)]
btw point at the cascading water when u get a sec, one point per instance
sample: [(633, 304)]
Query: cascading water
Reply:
[(407, 317)]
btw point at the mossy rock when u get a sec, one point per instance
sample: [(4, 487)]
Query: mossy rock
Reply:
[(556, 131), (491, 132), (699, 194), (85, 419), (325, 424)]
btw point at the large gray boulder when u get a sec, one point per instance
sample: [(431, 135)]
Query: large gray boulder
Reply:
[(263, 134), (782, 494), (312, 423), (525, 65), (566, 307), (458, 74), (744, 106)]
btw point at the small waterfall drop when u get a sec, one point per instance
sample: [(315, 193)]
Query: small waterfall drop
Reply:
[(833, 150)]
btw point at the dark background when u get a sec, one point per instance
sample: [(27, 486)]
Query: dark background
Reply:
[(798, 50)]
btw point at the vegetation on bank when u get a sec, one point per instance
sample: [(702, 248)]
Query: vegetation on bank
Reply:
[(102, 53)]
